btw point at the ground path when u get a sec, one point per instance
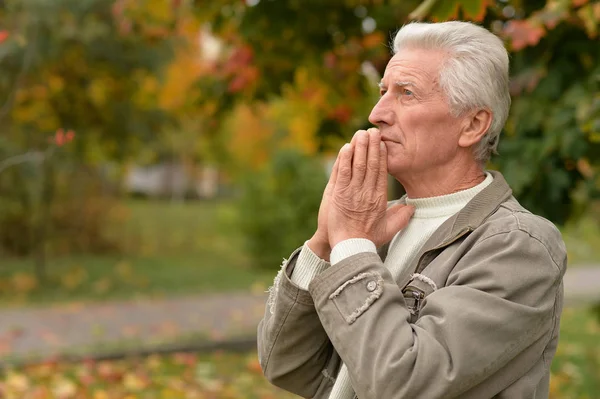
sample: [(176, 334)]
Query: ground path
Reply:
[(187, 322)]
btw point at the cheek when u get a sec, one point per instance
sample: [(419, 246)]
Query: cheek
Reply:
[(429, 129)]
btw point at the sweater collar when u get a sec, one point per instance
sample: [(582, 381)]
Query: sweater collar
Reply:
[(446, 205)]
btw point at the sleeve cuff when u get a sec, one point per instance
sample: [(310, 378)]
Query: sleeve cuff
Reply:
[(308, 266), (347, 248)]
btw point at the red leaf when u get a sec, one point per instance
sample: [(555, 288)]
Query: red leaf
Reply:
[(59, 137), (3, 35), (341, 113), (69, 136), (523, 34), (579, 3)]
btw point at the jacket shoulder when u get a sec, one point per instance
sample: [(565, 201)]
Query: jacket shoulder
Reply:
[(511, 216)]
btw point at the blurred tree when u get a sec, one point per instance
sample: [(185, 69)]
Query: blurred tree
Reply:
[(92, 66), (549, 152), (309, 71)]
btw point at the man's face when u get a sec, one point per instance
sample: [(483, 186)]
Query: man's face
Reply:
[(413, 115)]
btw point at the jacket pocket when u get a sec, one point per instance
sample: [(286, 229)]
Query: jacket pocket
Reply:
[(355, 296), (415, 292)]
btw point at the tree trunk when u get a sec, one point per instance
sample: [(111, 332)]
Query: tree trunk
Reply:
[(42, 221)]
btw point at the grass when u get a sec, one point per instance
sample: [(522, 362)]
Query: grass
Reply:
[(575, 372), (167, 249), (576, 366), (582, 239)]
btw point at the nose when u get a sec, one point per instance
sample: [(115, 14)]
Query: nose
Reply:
[(381, 114)]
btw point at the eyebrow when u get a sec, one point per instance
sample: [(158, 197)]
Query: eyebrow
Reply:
[(401, 84), (397, 83)]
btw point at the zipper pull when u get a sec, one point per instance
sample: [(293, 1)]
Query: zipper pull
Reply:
[(418, 296)]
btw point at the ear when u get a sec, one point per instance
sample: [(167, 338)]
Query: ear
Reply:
[(476, 125)]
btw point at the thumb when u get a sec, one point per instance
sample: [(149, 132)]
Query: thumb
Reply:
[(397, 217)]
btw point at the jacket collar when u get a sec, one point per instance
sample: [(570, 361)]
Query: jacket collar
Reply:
[(484, 204)]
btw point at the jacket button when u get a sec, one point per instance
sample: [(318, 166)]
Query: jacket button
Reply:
[(371, 285)]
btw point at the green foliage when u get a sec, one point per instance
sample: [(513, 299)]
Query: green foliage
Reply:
[(84, 65), (74, 221), (549, 150), (80, 65), (279, 207)]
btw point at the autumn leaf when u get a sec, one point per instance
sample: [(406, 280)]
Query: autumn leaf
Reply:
[(3, 36), (475, 10), (437, 10), (61, 137), (523, 33), (590, 15)]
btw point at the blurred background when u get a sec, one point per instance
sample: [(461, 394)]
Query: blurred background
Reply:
[(153, 151)]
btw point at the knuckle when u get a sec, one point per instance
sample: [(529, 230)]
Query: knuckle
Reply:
[(373, 164), (360, 167)]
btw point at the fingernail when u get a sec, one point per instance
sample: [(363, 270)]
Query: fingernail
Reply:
[(382, 145), (345, 147)]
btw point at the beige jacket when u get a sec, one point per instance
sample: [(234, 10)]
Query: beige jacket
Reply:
[(486, 328)]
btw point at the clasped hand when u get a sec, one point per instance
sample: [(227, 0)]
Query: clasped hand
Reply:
[(354, 203)]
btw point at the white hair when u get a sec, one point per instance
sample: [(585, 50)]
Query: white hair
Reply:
[(474, 75)]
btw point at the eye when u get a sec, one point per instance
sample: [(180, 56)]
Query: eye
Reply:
[(382, 92), (407, 92)]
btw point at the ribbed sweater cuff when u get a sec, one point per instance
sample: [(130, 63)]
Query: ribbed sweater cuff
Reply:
[(307, 267), (347, 248)]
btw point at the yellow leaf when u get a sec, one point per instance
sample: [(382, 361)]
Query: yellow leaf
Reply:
[(17, 382), (100, 394), (73, 278), (56, 84), (133, 383), (24, 282), (97, 91), (64, 389)]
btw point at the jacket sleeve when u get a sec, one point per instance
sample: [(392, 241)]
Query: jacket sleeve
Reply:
[(294, 349), (499, 300)]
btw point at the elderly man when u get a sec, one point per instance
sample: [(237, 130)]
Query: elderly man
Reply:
[(455, 290)]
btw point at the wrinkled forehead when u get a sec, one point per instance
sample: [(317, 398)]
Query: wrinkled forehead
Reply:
[(415, 65)]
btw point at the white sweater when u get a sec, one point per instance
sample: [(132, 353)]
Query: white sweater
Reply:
[(429, 214)]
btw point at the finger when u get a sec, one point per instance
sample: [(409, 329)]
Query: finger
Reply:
[(397, 218), (382, 173), (344, 172), (353, 141), (359, 161), (333, 176), (373, 158)]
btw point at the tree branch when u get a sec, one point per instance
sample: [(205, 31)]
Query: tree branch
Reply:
[(31, 156)]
